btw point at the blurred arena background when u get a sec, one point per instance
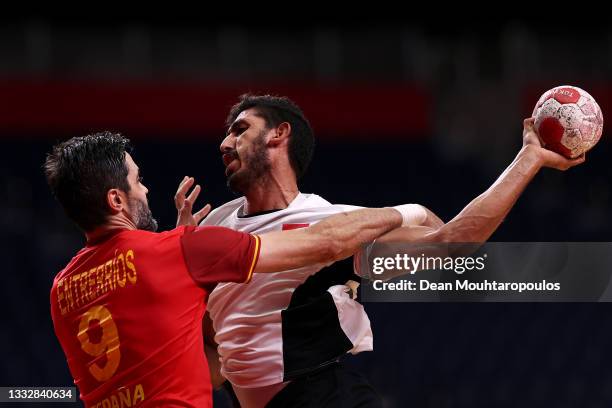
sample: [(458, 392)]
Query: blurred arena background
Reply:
[(403, 112)]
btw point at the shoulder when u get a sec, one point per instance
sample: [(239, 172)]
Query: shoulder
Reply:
[(319, 207), (314, 200), (151, 241)]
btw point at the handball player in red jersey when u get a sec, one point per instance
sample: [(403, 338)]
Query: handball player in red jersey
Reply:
[(127, 309)]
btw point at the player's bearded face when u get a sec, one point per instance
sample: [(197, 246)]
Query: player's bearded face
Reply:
[(141, 215), (254, 165)]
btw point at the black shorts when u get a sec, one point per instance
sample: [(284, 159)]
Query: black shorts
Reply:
[(335, 386)]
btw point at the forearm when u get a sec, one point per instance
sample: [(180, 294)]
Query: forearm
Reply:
[(474, 224), (331, 239), (481, 217), (210, 348), (214, 366), (346, 232)]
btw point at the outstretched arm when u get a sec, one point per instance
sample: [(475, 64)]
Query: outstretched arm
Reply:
[(481, 217)]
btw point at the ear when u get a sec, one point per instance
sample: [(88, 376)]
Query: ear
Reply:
[(281, 134), (116, 200)]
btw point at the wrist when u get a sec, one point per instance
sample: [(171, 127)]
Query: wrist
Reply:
[(533, 153), (412, 214), (398, 218)]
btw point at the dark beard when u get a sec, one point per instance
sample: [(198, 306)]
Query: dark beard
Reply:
[(143, 218), (257, 167)]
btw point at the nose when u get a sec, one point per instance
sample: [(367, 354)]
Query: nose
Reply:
[(228, 144)]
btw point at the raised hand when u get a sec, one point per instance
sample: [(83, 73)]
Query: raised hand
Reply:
[(548, 158), (184, 204)]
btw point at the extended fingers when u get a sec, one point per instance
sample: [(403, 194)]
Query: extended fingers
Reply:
[(184, 186), (199, 216), (192, 197)]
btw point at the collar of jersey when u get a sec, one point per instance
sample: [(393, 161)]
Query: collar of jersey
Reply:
[(297, 199)]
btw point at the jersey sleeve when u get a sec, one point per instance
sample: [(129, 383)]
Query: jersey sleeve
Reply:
[(217, 254)]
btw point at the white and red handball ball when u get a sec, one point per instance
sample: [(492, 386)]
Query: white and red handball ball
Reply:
[(568, 120)]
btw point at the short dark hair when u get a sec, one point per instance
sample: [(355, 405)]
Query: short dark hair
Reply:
[(276, 110), (80, 171)]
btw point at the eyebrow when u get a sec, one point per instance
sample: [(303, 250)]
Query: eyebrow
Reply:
[(236, 124)]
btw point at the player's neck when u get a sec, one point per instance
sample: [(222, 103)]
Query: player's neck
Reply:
[(111, 227), (275, 193)]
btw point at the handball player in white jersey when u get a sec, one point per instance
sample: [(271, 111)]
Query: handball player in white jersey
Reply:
[(280, 339)]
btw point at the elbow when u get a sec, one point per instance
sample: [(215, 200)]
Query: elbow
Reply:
[(466, 232), (457, 242), (444, 235)]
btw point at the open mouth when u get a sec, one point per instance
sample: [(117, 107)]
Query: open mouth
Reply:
[(228, 158), (231, 163)]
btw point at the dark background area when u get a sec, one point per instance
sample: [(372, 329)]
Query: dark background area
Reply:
[(403, 111)]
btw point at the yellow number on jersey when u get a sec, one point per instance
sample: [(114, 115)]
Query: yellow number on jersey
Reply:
[(109, 343)]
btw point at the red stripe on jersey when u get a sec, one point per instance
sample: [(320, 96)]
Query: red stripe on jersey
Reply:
[(287, 227)]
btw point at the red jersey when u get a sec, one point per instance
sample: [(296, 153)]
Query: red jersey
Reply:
[(128, 313)]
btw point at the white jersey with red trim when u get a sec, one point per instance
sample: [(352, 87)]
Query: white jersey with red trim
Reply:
[(255, 350)]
